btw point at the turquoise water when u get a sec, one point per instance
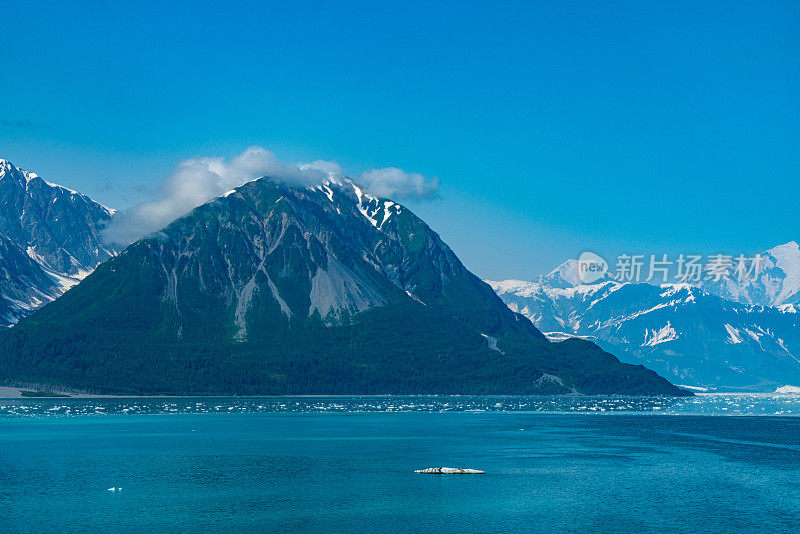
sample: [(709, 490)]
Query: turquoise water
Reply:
[(570, 464)]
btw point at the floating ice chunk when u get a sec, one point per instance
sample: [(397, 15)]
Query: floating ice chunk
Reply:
[(449, 471), (694, 388), (788, 390)]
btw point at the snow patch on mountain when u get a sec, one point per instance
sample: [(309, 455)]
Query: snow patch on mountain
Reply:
[(662, 335), (734, 336), (360, 204), (518, 287)]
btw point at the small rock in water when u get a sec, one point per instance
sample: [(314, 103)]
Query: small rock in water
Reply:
[(449, 471)]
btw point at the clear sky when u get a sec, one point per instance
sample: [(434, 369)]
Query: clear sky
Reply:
[(553, 127)]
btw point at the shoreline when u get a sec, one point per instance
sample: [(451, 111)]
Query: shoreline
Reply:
[(15, 393)]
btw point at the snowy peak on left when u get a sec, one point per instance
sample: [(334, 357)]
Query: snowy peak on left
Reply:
[(50, 239)]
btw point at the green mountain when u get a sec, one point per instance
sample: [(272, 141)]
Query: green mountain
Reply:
[(277, 289)]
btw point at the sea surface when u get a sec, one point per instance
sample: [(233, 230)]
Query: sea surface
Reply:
[(711, 463)]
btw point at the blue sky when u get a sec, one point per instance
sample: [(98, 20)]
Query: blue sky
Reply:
[(553, 127)]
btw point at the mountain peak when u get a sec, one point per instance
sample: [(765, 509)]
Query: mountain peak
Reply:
[(56, 234), (567, 275), (24, 179), (9, 170), (787, 248), (563, 276)]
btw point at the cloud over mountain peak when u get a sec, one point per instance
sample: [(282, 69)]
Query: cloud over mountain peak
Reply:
[(198, 180)]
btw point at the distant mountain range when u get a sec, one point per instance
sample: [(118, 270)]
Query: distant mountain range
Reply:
[(279, 289), (739, 335), (776, 282), (50, 239)]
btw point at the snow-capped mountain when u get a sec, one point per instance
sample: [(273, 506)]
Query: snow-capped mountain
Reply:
[(277, 288), (776, 280), (684, 333), (50, 239)]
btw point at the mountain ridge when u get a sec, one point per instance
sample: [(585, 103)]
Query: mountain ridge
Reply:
[(684, 332)]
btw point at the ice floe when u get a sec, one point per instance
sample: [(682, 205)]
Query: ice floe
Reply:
[(449, 471)]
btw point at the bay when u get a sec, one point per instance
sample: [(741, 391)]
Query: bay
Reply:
[(712, 463)]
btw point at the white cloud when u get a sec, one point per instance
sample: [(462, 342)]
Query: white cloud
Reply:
[(323, 166), (198, 180), (398, 184)]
